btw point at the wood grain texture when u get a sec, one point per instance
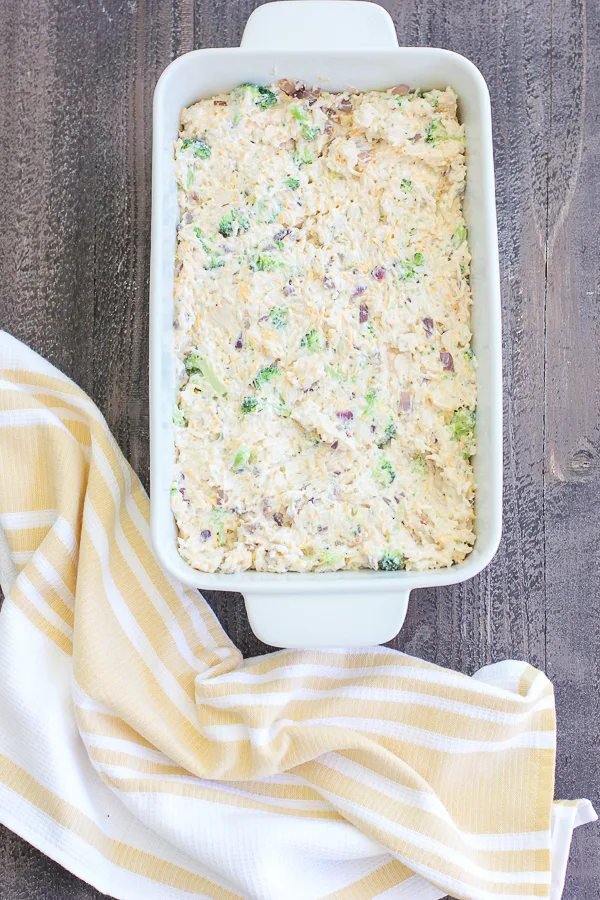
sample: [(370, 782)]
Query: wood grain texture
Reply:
[(76, 85)]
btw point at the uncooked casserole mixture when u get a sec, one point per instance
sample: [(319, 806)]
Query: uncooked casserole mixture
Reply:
[(326, 405)]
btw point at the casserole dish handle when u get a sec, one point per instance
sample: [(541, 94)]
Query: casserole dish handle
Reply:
[(327, 619), (319, 25)]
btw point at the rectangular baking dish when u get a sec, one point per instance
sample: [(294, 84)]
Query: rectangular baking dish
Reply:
[(336, 44)]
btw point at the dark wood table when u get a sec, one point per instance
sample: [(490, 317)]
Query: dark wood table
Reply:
[(76, 82)]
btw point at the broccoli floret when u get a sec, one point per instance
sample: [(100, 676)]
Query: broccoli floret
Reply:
[(227, 223), (200, 148), (383, 472), (262, 262), (292, 183), (241, 458), (197, 364), (179, 418), (406, 185), (266, 374), (459, 236), (193, 363), (279, 317), (331, 559), (309, 133), (391, 562), (262, 96), (249, 405), (469, 355), (436, 132), (388, 434), (409, 267), (267, 213), (312, 341), (462, 425)]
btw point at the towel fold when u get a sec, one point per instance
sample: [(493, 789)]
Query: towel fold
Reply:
[(142, 753)]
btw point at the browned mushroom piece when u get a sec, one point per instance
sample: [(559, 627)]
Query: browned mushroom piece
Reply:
[(447, 361), (287, 86), (429, 326)]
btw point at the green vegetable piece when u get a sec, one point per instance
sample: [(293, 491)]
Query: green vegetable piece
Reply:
[(198, 364), (293, 183), (265, 98), (174, 490), (205, 244), (218, 522), (308, 133), (263, 262), (200, 148), (312, 341), (249, 405), (227, 223), (193, 363), (459, 236), (189, 177), (462, 425), (302, 160), (383, 472), (406, 185), (408, 268), (331, 559), (179, 418), (241, 458), (436, 133), (216, 262), (299, 114), (280, 407), (370, 400), (388, 434), (279, 317), (266, 374), (391, 561), (262, 96), (469, 355)]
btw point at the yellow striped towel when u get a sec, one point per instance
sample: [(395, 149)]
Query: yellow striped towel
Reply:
[(139, 750)]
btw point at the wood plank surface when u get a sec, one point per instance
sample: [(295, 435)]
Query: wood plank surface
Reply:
[(76, 85)]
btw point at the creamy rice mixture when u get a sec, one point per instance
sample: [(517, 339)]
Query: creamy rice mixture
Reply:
[(325, 413)]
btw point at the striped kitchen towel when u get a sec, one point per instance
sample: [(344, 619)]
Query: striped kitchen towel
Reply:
[(141, 752)]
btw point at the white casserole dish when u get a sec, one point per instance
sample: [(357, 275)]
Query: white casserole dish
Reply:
[(337, 44)]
